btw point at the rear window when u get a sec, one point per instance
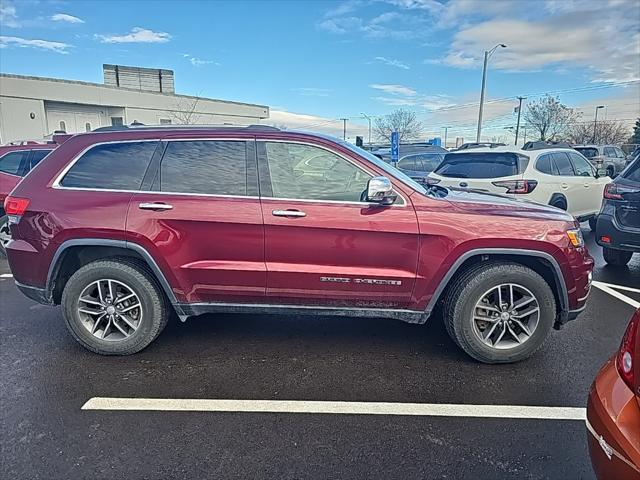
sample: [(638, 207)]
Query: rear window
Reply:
[(588, 152), (482, 165), (114, 166), (633, 172)]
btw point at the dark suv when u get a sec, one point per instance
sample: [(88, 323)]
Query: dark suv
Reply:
[(618, 228), (123, 227)]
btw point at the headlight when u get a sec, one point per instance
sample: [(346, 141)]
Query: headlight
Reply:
[(575, 236)]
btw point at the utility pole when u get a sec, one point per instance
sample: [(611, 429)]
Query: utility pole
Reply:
[(520, 99), (445, 136), (595, 122), (487, 55), (344, 129), (369, 120)]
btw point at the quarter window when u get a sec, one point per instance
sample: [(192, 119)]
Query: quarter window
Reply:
[(582, 166), (36, 156), (116, 166), (565, 169), (12, 162), (311, 173), (205, 167)]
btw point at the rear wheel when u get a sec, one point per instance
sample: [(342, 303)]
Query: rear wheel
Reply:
[(499, 312), (114, 307), (5, 235), (618, 258)]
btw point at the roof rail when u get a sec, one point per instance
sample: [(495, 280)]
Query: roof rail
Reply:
[(540, 145), (140, 126)]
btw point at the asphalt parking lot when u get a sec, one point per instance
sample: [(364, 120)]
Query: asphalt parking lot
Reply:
[(46, 378)]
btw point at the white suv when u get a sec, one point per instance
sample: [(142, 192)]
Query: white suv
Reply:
[(557, 176)]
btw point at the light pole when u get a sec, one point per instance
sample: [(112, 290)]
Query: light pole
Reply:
[(595, 122), (487, 55), (344, 129), (369, 120), (445, 136), (518, 124)]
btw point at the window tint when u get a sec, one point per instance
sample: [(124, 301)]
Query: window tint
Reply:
[(582, 166), (205, 167), (545, 165), (312, 173), (411, 163), (633, 172), (481, 165), (12, 162), (116, 166), (563, 164), (424, 162), (609, 152), (588, 152), (620, 153), (37, 155)]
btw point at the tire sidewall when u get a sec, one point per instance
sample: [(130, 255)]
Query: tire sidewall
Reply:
[(472, 293), (3, 220), (140, 285)]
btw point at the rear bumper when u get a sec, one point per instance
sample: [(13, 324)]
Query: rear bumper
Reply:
[(621, 238), (613, 427), (39, 295)]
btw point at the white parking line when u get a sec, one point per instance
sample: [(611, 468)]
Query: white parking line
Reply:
[(6, 275), (612, 289), (330, 407)]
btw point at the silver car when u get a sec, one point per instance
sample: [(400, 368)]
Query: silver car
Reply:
[(608, 157)]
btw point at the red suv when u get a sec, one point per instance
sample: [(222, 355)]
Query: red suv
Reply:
[(125, 226), (15, 162)]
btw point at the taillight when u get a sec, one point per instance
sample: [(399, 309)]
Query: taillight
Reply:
[(517, 186), (627, 354), (611, 192), (15, 207)]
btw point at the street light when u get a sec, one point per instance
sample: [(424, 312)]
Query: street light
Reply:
[(364, 115), (595, 122), (487, 55)]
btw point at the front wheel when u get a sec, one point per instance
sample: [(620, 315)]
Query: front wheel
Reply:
[(617, 258), (499, 312), (114, 307)]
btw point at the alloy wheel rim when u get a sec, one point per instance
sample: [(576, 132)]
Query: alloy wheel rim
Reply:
[(110, 310), (506, 316), (5, 234)]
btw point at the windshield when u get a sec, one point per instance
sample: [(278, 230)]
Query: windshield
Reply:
[(481, 165), (588, 152), (394, 172)]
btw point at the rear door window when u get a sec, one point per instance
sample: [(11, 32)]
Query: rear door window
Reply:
[(563, 164), (609, 152), (205, 167), (544, 164), (112, 166), (482, 165), (411, 163), (13, 162)]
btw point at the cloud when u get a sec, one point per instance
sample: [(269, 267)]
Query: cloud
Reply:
[(137, 35), (394, 89), (392, 62), (57, 47), (312, 91), (63, 17), (8, 15)]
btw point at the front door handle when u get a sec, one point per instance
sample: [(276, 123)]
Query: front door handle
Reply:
[(288, 213), (155, 206)]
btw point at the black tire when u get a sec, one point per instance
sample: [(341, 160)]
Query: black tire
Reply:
[(592, 223), (4, 226), (155, 307), (467, 289), (617, 258), (559, 202)]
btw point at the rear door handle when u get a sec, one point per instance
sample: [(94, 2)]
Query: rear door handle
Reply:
[(288, 213), (565, 185), (155, 206)]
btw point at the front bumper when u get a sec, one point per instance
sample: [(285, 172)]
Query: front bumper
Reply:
[(622, 238), (613, 427)]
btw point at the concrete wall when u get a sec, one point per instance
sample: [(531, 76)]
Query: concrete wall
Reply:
[(79, 103)]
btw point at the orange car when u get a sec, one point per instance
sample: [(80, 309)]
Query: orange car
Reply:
[(613, 411)]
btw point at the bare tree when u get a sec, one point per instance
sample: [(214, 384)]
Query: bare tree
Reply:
[(606, 132), (549, 118), (184, 112), (405, 122)]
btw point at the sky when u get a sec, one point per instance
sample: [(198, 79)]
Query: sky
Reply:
[(315, 62)]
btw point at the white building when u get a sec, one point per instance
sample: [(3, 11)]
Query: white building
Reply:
[(35, 107)]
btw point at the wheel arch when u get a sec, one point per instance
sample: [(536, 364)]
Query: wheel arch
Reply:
[(72, 254), (541, 262), (559, 196)]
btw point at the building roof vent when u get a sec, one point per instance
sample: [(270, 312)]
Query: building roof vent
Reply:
[(139, 78)]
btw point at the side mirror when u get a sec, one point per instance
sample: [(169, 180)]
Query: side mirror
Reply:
[(380, 191), (601, 172)]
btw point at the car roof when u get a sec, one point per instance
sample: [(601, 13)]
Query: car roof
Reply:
[(508, 149)]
